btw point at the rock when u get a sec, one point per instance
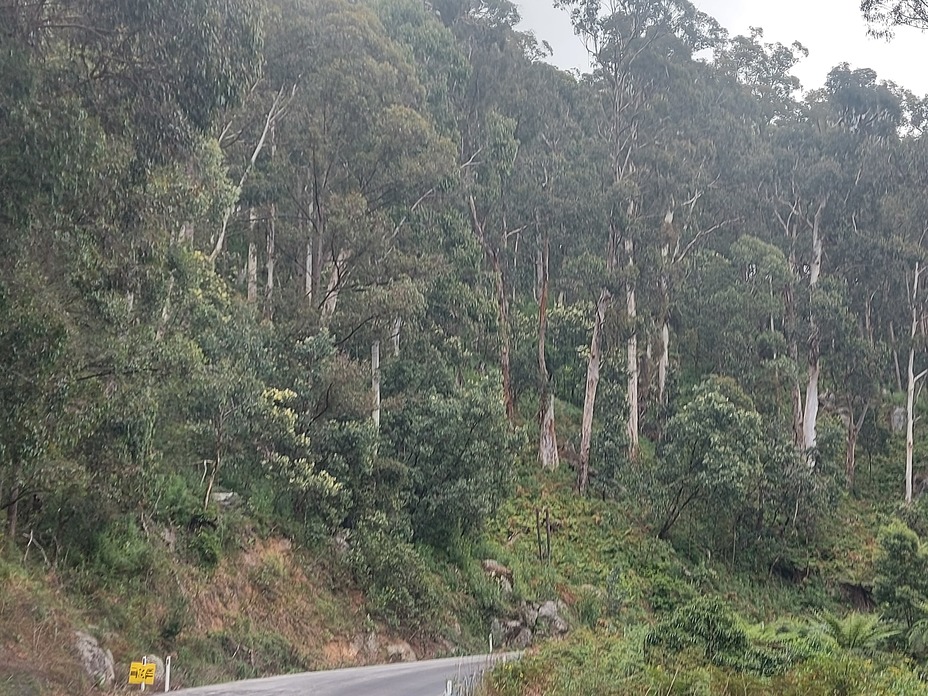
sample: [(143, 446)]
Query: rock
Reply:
[(366, 645), (341, 542), (159, 669), (550, 614), (511, 629), (496, 631), (225, 499), (522, 640), (501, 573), (400, 651), (97, 662), (529, 614)]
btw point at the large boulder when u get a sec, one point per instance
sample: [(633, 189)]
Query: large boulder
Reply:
[(550, 616), (97, 662), (159, 669)]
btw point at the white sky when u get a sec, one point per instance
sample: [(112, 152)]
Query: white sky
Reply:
[(832, 30)]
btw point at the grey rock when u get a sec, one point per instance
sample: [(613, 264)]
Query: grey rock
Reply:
[(401, 651), (225, 499), (159, 669), (97, 662), (522, 640), (549, 613), (529, 614), (497, 570)]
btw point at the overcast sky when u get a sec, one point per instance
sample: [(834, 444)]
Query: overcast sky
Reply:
[(832, 30)]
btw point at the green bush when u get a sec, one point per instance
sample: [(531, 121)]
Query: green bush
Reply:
[(123, 551), (206, 546), (399, 586)]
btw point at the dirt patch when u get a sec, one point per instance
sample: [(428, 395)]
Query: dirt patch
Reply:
[(36, 651)]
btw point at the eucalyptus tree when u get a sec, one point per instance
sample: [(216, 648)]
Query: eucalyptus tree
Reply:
[(636, 47), (883, 15)]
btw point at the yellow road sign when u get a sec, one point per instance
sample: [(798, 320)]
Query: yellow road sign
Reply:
[(141, 673)]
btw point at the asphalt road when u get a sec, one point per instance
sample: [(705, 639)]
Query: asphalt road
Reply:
[(423, 678)]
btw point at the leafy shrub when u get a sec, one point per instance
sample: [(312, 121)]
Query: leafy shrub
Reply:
[(901, 583), (123, 551), (394, 576), (206, 545), (706, 625)]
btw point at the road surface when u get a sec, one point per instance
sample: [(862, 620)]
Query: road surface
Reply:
[(423, 678)]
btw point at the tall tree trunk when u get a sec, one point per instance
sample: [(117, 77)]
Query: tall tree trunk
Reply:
[(810, 416), (505, 337), (910, 392), (502, 306), (251, 264), (631, 310), (375, 381), (271, 244), (336, 277), (271, 263), (547, 435), (395, 336), (663, 362), (589, 397), (252, 273)]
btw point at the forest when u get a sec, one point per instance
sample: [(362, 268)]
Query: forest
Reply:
[(374, 275)]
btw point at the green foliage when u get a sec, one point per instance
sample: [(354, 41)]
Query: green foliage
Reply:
[(399, 587), (712, 452), (122, 551), (458, 451), (858, 632), (901, 567)]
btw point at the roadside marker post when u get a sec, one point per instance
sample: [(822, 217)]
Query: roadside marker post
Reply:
[(167, 674)]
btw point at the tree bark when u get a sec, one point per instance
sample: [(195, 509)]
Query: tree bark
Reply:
[(395, 336), (271, 263), (336, 277), (810, 415), (375, 381), (910, 392), (252, 273), (631, 310), (547, 435), (589, 397)]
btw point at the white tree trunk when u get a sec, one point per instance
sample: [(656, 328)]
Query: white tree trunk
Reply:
[(631, 310), (271, 263), (375, 381), (663, 363), (335, 280), (910, 393), (252, 273), (547, 435), (589, 397), (811, 410), (810, 414), (547, 442), (395, 336)]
